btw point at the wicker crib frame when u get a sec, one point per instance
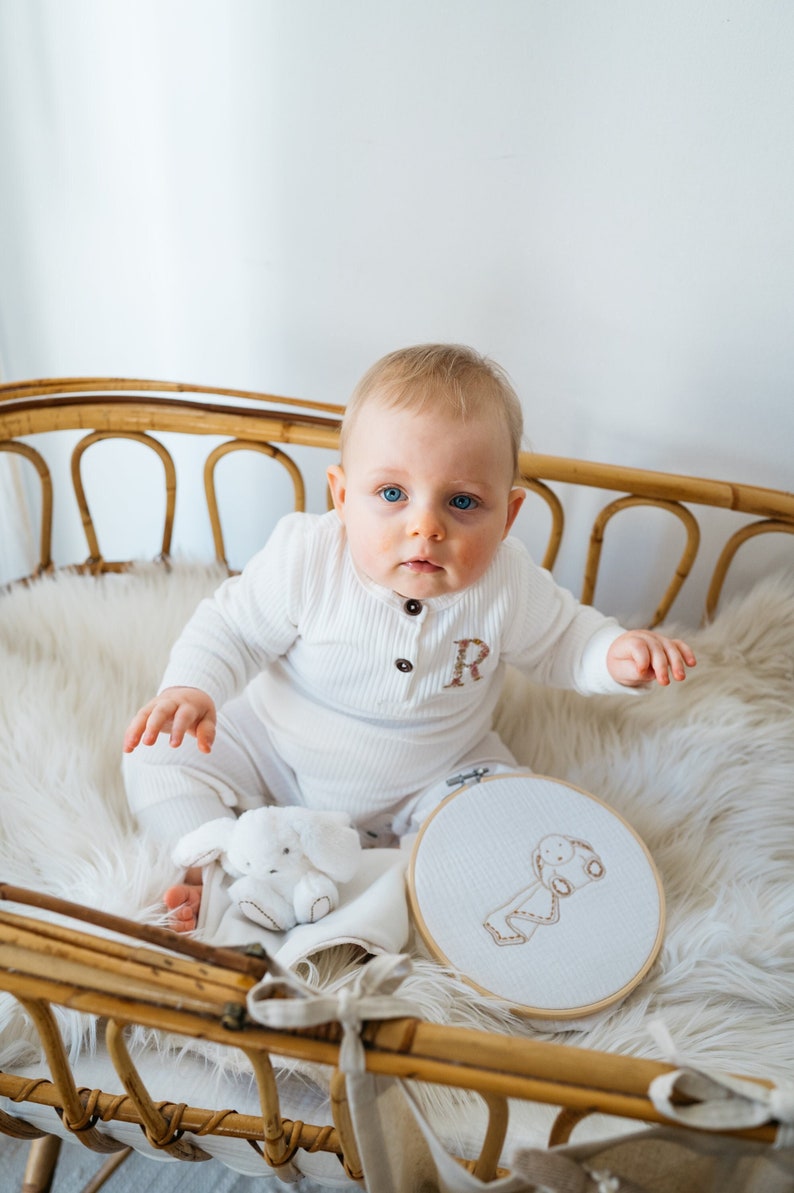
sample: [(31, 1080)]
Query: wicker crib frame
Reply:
[(160, 981), (108, 408)]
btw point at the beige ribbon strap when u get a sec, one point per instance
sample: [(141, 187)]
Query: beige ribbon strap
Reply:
[(722, 1102), (369, 996)]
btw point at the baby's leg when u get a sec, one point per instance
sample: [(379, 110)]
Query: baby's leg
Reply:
[(172, 791), (490, 756)]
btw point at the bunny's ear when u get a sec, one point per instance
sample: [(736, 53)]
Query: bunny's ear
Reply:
[(329, 841), (205, 843)]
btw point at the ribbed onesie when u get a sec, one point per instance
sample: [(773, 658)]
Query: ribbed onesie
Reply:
[(336, 693)]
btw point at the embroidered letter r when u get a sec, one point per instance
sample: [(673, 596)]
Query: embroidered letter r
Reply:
[(462, 664)]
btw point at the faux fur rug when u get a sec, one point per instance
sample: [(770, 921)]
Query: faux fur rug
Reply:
[(704, 771)]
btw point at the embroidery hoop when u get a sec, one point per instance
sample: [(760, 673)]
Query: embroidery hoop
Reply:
[(558, 866)]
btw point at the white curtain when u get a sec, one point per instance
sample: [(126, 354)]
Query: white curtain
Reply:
[(271, 193)]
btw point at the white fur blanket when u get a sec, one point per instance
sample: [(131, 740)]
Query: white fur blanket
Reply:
[(704, 771)]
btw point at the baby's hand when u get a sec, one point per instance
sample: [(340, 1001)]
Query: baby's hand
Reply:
[(640, 656), (176, 711)]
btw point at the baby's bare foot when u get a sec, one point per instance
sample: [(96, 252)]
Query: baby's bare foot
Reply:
[(183, 902)]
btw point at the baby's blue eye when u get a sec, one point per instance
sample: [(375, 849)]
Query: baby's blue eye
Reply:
[(391, 493), (463, 502)]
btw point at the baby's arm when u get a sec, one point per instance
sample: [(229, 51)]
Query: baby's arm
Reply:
[(176, 711), (641, 656)]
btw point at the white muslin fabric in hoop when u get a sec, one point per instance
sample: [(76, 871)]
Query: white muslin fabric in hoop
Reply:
[(538, 893), (723, 1102)]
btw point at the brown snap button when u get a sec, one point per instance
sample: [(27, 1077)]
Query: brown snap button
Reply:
[(403, 665), (413, 607)]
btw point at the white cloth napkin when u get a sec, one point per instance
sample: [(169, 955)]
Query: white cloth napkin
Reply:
[(372, 913)]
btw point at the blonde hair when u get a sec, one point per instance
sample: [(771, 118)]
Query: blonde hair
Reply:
[(439, 376)]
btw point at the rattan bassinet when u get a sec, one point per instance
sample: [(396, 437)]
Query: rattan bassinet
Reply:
[(156, 1048)]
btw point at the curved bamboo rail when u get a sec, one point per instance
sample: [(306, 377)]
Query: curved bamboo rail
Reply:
[(175, 994), (141, 410)]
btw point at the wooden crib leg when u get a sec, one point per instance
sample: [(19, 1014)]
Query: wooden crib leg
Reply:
[(567, 1118), (40, 1167), (106, 1171)]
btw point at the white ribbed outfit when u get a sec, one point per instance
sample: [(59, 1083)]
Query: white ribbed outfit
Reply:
[(336, 693)]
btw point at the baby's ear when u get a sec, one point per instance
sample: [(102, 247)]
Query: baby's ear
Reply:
[(514, 502), (204, 844), (338, 487)]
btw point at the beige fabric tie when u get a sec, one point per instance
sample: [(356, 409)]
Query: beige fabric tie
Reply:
[(369, 996), (723, 1102)]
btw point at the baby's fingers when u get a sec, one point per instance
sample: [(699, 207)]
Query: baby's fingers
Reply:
[(132, 735), (205, 734), (176, 711), (661, 663), (671, 656), (182, 722), (140, 729), (194, 722), (160, 719), (679, 656), (687, 653), (642, 656)]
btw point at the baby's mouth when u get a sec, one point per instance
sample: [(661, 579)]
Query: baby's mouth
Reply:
[(422, 566)]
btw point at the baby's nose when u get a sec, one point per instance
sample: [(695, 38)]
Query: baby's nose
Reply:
[(427, 523)]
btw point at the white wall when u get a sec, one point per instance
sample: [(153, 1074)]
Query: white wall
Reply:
[(272, 193)]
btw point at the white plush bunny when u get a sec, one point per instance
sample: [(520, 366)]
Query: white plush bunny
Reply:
[(287, 861)]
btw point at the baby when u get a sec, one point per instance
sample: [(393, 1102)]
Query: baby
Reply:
[(357, 661)]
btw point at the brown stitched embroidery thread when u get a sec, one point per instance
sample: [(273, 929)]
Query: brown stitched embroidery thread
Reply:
[(318, 911), (262, 915), (561, 866), (462, 665)]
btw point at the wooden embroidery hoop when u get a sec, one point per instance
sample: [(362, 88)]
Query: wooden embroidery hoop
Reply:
[(434, 881)]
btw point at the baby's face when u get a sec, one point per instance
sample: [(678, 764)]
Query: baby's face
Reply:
[(426, 498)]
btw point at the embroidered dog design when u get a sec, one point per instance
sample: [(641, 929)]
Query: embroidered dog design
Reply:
[(561, 865)]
